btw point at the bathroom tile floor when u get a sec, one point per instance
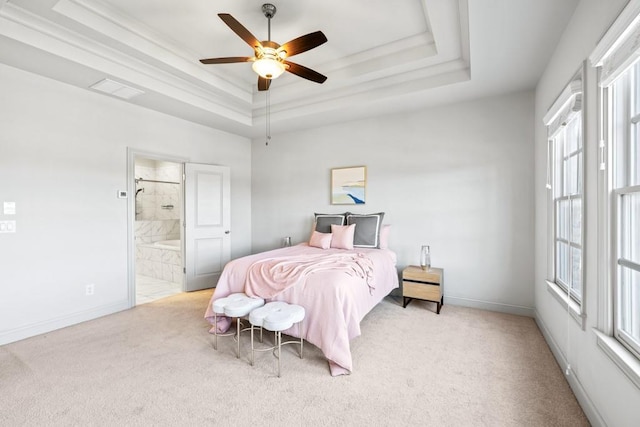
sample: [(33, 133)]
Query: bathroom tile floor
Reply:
[(149, 289)]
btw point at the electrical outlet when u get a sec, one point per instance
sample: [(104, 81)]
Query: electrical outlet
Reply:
[(89, 289)]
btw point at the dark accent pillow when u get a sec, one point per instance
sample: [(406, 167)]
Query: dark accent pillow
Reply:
[(367, 234), (323, 221)]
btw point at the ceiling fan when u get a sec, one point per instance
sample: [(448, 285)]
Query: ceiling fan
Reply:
[(269, 60)]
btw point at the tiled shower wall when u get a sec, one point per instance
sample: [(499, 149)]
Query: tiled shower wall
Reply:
[(154, 231), (158, 205), (157, 219)]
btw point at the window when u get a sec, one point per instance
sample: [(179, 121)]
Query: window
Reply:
[(565, 182), (567, 202), (617, 58), (624, 102)]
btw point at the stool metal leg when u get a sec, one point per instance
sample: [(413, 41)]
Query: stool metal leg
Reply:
[(252, 351), (238, 335), (215, 331), (279, 339), (301, 339)]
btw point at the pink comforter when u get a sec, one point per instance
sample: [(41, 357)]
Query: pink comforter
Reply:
[(335, 300)]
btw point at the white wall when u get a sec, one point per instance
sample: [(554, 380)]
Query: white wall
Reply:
[(606, 394), (63, 157), (459, 178)]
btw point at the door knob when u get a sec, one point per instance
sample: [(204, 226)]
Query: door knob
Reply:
[(227, 232)]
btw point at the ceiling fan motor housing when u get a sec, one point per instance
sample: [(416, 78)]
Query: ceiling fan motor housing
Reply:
[(269, 10)]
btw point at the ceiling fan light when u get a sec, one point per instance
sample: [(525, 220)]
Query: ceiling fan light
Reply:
[(268, 68)]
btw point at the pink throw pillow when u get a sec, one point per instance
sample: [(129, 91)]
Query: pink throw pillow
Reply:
[(384, 236), (342, 236), (320, 240)]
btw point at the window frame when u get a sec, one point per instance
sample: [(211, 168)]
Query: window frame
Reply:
[(616, 51), (623, 135), (560, 173), (566, 109)]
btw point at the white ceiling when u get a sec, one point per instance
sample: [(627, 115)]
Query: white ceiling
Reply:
[(381, 56)]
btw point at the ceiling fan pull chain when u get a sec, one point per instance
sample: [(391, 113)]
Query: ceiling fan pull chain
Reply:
[(268, 118)]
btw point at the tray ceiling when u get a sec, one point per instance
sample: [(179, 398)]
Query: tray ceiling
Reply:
[(381, 56)]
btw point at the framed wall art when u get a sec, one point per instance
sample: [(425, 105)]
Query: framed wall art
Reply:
[(348, 185)]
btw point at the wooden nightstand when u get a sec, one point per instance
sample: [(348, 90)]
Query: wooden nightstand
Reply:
[(423, 284)]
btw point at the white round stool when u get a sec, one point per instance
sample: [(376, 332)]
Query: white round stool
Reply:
[(276, 316), (236, 305)]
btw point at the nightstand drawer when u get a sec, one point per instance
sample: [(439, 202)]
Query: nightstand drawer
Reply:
[(424, 291), (419, 275)]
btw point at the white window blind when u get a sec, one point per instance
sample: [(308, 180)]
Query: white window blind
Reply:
[(619, 48), (568, 104)]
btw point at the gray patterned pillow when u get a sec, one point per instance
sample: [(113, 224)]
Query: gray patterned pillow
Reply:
[(367, 234), (323, 221)]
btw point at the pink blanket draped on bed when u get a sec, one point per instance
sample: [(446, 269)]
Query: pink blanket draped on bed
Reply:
[(335, 299), (268, 277)]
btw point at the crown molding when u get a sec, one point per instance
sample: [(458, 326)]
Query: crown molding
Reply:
[(27, 28), (359, 96), (410, 64), (381, 62), (92, 35), (142, 40)]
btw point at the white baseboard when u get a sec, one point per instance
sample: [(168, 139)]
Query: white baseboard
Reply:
[(574, 382), (34, 329), (490, 306)]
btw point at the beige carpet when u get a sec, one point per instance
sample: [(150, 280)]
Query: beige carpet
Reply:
[(155, 365)]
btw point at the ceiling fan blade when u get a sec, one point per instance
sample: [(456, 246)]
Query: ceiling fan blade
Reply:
[(227, 60), (240, 30), (304, 72), (263, 84), (303, 43)]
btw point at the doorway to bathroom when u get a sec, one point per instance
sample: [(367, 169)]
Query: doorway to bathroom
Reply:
[(179, 225), (159, 267)]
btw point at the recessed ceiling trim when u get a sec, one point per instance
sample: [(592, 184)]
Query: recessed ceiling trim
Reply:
[(135, 35), (361, 103), (376, 68), (444, 19), (412, 49), (371, 64), (98, 36), (359, 96), (406, 56), (25, 27), (464, 29)]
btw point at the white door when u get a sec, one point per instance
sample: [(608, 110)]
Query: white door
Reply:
[(207, 221)]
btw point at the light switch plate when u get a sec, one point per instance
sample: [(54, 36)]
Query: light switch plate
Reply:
[(7, 226)]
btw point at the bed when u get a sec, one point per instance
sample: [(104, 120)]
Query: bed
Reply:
[(337, 287)]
